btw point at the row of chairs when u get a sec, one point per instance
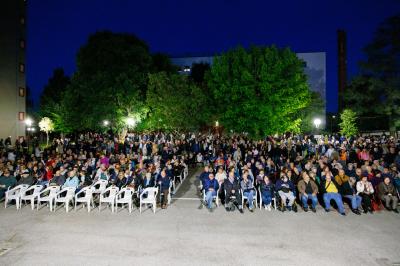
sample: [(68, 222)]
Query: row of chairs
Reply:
[(54, 195)]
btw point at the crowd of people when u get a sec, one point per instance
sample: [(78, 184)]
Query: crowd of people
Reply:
[(362, 172)]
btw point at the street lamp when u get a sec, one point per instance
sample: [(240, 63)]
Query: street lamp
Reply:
[(130, 122), (216, 124), (317, 122), (28, 122), (105, 123)]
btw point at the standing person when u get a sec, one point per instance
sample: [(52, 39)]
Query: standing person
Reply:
[(366, 191), (308, 190), (387, 194), (211, 186)]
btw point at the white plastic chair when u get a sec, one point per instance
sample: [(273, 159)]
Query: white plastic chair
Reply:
[(124, 196), (261, 201), (15, 194), (86, 199), (254, 198), (151, 197), (64, 199), (48, 195), (99, 186), (215, 198), (30, 197), (110, 199)]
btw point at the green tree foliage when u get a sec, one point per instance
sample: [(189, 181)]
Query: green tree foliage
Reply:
[(348, 126), (198, 72), (260, 90), (110, 82), (174, 103), (51, 98), (377, 90)]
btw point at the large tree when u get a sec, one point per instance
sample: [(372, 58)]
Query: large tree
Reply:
[(377, 91), (175, 103), (259, 90), (111, 81)]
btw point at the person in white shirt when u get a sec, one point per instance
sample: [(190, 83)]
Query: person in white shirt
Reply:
[(366, 191), (221, 175)]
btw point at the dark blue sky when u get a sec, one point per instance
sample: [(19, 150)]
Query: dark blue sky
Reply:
[(56, 29)]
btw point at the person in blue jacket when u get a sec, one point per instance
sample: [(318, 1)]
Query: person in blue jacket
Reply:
[(285, 189), (211, 187)]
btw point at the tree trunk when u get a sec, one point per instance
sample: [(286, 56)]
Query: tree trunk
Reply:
[(47, 142)]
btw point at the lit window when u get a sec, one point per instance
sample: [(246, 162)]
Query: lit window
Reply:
[(22, 44), (21, 92), (22, 68), (21, 116)]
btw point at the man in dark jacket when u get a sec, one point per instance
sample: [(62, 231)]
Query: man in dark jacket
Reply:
[(6, 181), (387, 194), (349, 191), (210, 189), (232, 188), (164, 183)]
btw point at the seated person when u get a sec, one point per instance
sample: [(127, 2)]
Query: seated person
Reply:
[(341, 178), (387, 194), (6, 180), (285, 189), (26, 178), (308, 190), (221, 175), (204, 175), (58, 179), (366, 191), (330, 190), (248, 189), (211, 186), (121, 180), (267, 192), (72, 180), (232, 188), (164, 183), (349, 191)]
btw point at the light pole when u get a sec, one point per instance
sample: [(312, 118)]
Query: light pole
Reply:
[(29, 128), (317, 122), (333, 117)]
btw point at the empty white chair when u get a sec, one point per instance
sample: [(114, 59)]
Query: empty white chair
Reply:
[(25, 196), (148, 196), (108, 196), (99, 186), (124, 196), (66, 199), (48, 195), (87, 198), (15, 194)]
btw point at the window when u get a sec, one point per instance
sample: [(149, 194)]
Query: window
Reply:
[(22, 20), (21, 92), (21, 116), (22, 68), (22, 44)]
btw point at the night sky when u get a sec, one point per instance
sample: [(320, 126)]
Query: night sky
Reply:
[(56, 29)]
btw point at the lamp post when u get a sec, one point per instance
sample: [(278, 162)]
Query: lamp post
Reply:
[(317, 122), (29, 129), (333, 117)]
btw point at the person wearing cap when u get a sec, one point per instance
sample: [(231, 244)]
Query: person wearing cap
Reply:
[(308, 190), (26, 178), (366, 191), (387, 194), (211, 187), (330, 189), (349, 192)]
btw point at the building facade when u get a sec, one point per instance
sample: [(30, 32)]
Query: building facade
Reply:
[(12, 68)]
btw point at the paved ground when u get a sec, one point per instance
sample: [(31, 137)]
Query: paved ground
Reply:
[(185, 235)]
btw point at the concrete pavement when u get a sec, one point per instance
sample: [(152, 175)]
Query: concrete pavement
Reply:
[(185, 235)]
